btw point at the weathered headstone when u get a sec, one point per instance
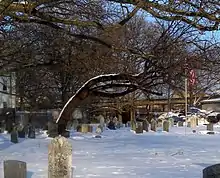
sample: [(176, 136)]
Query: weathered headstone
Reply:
[(101, 121), (146, 125), (84, 128), (14, 135), (139, 128), (59, 158), (31, 132), (210, 127), (193, 122), (90, 128), (188, 124), (166, 125), (153, 125), (180, 124), (78, 128), (171, 121), (212, 171), (21, 131), (128, 124), (15, 169), (159, 123), (52, 129)]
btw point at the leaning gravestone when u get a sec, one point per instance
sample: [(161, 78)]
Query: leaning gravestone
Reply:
[(139, 128), (14, 136), (15, 169), (59, 158), (153, 125), (146, 125), (210, 127), (212, 171), (166, 126)]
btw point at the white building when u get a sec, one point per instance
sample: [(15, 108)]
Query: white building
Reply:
[(7, 91)]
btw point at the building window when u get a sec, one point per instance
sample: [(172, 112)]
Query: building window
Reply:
[(4, 104), (4, 85)]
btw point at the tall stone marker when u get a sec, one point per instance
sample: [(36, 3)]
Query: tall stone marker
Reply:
[(153, 125), (59, 158), (15, 169), (212, 171), (166, 125)]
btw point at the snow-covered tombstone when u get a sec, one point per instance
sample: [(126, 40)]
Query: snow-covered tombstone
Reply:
[(139, 128), (14, 135), (15, 169), (60, 158), (153, 125), (145, 125), (166, 126)]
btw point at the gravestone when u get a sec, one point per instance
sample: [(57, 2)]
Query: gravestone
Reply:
[(128, 124), (159, 123), (21, 131), (212, 171), (153, 125), (146, 125), (180, 124), (210, 127), (84, 128), (78, 128), (31, 132), (14, 136), (52, 129), (15, 169), (139, 128), (166, 126), (171, 121), (193, 122), (59, 158), (188, 124), (98, 130), (101, 121), (111, 125)]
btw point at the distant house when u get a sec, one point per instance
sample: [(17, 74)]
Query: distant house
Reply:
[(7, 91), (211, 104)]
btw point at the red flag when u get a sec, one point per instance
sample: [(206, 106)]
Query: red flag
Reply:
[(192, 77)]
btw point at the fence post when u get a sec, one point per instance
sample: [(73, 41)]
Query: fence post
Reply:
[(59, 158)]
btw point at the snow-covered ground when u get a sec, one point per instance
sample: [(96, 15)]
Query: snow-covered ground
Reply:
[(123, 154)]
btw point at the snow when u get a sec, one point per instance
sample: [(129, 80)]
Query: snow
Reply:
[(123, 154), (211, 100)]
